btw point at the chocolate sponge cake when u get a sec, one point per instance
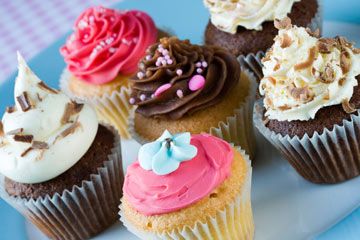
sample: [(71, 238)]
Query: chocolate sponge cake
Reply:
[(246, 41)]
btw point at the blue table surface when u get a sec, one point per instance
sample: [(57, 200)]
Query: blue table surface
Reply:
[(12, 223)]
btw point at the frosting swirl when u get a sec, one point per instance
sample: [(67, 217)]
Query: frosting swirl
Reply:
[(227, 15), (45, 133), (153, 194), (106, 42), (303, 74), (177, 78)]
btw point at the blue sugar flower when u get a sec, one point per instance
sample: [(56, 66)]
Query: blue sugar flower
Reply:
[(164, 155)]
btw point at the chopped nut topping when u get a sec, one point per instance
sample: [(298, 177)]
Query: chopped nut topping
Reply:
[(303, 94), (325, 45), (10, 109), (308, 62), (283, 24), (71, 109), (39, 145), (328, 75), (345, 61), (45, 87), (285, 41), (15, 131), (24, 102), (23, 138), (348, 107)]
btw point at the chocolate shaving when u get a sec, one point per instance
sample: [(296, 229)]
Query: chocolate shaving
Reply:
[(343, 42), (327, 96), (71, 109), (26, 152), (283, 24), (39, 145), (10, 109), (356, 50), (23, 138), (272, 80), (302, 94), (266, 120), (45, 87), (342, 81), (38, 97), (328, 75), (284, 108), (276, 67), (308, 62), (1, 129), (315, 33), (70, 130), (15, 131), (325, 45), (285, 41), (24, 102), (345, 61), (348, 107)]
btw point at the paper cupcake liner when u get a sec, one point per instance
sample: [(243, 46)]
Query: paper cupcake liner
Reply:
[(330, 157), (111, 108), (82, 212), (235, 221), (237, 129)]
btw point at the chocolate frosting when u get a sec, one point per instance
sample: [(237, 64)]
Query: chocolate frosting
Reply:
[(170, 82)]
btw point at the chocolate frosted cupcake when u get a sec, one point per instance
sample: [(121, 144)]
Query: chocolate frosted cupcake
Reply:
[(101, 54), (245, 27), (184, 87), (311, 101), (188, 187), (59, 166)]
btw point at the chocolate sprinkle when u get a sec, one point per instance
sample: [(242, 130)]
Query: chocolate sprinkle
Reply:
[(71, 109), (15, 131), (10, 109), (26, 152), (39, 145), (24, 102), (45, 87), (23, 138)]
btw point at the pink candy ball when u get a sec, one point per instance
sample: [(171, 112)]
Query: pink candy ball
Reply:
[(196, 82)]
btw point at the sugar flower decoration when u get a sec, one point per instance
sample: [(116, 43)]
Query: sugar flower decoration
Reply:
[(164, 155)]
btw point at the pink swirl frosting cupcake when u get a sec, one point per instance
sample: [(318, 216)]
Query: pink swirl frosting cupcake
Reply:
[(107, 42), (153, 194)]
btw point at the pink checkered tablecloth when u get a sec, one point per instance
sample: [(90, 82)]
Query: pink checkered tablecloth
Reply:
[(31, 25)]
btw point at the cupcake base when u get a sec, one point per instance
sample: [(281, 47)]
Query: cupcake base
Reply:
[(230, 119), (224, 214), (81, 211), (304, 13), (330, 157)]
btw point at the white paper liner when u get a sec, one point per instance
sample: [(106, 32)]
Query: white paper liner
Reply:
[(82, 212), (330, 157), (238, 129), (111, 108), (233, 222)]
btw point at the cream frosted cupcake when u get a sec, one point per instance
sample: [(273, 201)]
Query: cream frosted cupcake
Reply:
[(311, 104), (188, 187), (58, 164), (190, 88), (245, 27), (101, 54)]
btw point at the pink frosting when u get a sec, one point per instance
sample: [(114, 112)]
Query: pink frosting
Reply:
[(106, 42), (152, 194)]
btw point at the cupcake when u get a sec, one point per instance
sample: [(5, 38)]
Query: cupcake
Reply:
[(311, 104), (188, 187), (101, 54), (245, 27), (60, 168), (189, 88)]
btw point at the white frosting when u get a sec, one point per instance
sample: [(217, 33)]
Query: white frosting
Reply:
[(280, 73), (43, 121), (227, 15)]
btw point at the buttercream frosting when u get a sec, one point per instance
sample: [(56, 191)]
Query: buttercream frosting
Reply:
[(177, 78), (152, 194), (107, 42), (303, 74), (45, 133), (227, 15)]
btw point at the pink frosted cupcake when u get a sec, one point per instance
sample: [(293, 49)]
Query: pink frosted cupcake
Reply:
[(101, 54)]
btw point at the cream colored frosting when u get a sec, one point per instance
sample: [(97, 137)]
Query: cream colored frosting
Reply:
[(300, 77), (44, 121), (227, 15)]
